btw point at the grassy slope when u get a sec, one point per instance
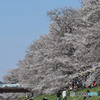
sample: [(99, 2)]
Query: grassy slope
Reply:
[(53, 96)]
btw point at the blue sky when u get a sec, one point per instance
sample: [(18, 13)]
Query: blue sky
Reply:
[(21, 22)]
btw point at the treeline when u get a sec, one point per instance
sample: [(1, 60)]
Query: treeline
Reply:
[(71, 47)]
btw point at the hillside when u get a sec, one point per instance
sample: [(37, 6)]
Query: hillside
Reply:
[(71, 47), (53, 96)]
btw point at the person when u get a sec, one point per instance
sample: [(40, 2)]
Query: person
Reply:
[(70, 87), (45, 98), (64, 94), (83, 81), (58, 95), (86, 86), (80, 84), (94, 84), (77, 84), (73, 84)]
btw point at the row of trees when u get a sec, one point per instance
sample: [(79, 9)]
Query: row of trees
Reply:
[(71, 47)]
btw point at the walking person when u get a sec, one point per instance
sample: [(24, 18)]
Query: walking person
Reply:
[(58, 95), (64, 94), (78, 84), (73, 84)]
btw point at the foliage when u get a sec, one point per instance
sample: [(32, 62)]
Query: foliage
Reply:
[(71, 47)]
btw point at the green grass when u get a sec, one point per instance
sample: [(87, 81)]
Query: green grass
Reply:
[(23, 98), (53, 96)]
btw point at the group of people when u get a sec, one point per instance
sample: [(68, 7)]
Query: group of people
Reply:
[(64, 94), (76, 84), (93, 84), (80, 82)]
